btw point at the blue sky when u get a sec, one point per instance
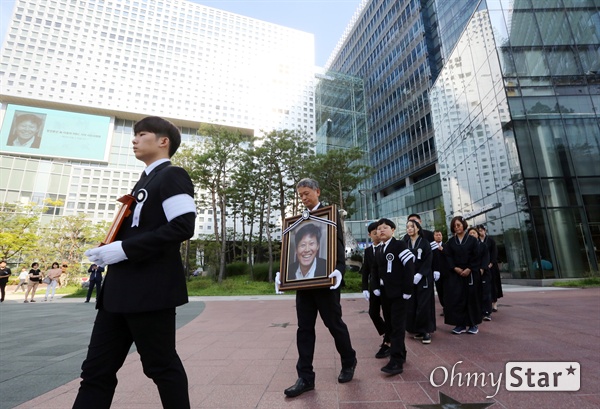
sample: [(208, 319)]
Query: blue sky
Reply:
[(326, 19)]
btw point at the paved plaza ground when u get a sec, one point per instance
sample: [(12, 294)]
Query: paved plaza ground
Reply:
[(240, 352)]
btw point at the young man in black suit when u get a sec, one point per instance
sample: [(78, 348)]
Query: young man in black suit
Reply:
[(145, 278), (325, 302), (396, 266), (372, 288)]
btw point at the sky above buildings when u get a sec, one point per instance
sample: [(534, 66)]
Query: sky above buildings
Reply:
[(326, 19)]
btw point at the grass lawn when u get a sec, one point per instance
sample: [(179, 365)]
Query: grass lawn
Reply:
[(584, 282), (237, 285)]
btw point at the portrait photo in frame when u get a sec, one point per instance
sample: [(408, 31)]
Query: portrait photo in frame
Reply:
[(308, 252)]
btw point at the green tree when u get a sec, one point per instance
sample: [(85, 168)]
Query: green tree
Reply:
[(66, 239), (19, 229), (283, 155), (339, 173), (219, 151)]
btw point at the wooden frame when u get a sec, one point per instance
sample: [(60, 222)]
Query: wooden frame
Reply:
[(310, 229)]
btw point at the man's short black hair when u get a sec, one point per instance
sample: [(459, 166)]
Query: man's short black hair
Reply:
[(372, 226), (161, 127), (308, 230), (410, 216), (386, 222)]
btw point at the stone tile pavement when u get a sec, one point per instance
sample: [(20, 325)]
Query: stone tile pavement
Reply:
[(240, 352)]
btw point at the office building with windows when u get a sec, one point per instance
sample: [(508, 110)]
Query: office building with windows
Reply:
[(516, 113), (81, 73), (394, 47)]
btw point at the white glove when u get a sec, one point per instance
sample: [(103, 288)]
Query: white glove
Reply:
[(406, 296), (376, 292), (417, 278), (278, 283), (381, 281), (338, 279), (109, 254), (366, 294), (436, 275)]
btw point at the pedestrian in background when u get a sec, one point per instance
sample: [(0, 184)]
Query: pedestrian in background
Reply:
[(35, 278), (95, 280), (4, 275), (53, 275), (23, 275)]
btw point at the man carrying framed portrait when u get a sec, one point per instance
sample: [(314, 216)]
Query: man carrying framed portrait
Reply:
[(319, 294)]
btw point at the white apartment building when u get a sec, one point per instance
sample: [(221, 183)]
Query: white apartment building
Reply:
[(88, 69)]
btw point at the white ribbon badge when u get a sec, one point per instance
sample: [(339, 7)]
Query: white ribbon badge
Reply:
[(140, 198)]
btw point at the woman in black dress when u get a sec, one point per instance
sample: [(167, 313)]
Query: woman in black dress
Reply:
[(461, 292), (420, 317), (483, 256), (493, 266)]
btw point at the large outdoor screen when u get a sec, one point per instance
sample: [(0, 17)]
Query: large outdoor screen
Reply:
[(48, 132)]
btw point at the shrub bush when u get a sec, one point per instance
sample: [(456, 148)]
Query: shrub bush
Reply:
[(261, 271), (237, 268)]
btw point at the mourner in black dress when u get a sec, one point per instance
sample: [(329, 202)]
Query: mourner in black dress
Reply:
[(486, 283), (324, 302), (493, 266), (420, 317), (145, 279), (440, 266), (372, 292), (396, 267), (462, 294)]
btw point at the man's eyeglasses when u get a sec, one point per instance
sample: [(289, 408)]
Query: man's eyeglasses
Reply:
[(64, 265)]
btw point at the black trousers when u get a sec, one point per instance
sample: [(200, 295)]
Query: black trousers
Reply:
[(327, 303), (486, 292), (91, 289), (398, 320), (387, 314), (3, 288), (375, 314), (112, 336)]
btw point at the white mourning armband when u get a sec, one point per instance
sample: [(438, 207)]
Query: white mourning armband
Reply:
[(178, 205), (405, 256)]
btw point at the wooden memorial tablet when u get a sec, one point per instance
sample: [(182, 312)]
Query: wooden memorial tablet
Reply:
[(123, 212)]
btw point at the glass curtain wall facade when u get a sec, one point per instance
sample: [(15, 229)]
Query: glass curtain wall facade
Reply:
[(395, 48), (341, 118), (516, 116)]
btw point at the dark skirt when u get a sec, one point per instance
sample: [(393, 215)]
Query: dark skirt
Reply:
[(462, 300), (420, 317)]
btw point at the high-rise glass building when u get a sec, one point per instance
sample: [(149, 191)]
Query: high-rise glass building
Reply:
[(394, 46), (516, 113), (81, 73)]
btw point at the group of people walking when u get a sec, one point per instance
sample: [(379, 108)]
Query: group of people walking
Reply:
[(399, 278), (29, 281)]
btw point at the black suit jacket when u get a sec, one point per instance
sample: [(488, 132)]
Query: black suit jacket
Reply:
[(340, 259), (152, 278), (400, 279), (369, 269), (321, 270)]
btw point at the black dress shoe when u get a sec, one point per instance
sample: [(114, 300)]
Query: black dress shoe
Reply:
[(299, 388), (383, 352), (393, 368), (346, 374)]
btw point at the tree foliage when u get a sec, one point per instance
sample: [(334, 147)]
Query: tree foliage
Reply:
[(339, 173), (19, 229)]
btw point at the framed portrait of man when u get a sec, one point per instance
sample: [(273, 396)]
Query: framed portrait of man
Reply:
[(308, 253)]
